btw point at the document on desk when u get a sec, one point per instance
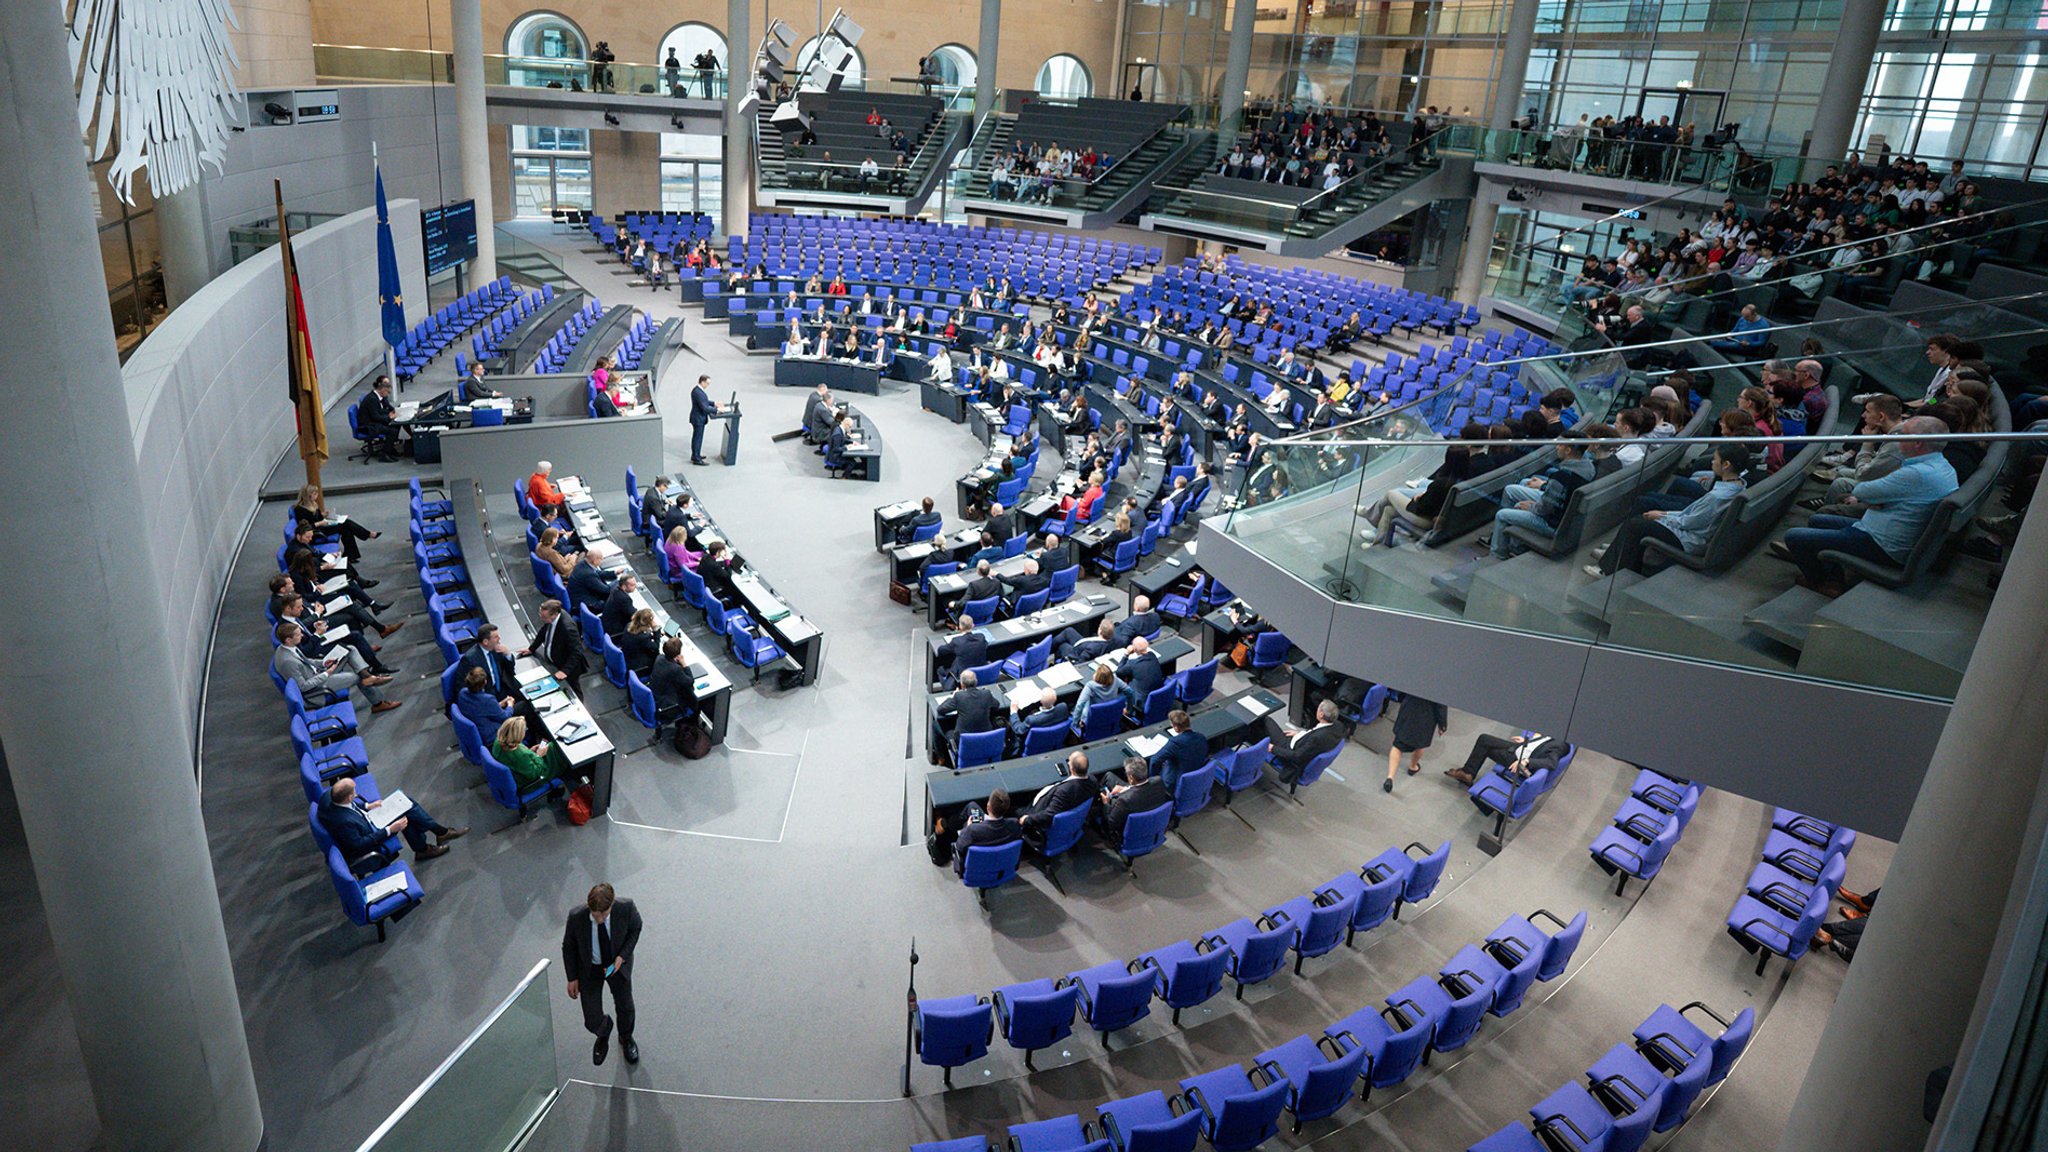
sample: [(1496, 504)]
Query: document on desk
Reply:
[(387, 813), (602, 550), (1023, 695), (1256, 706), (391, 885), (1146, 746), (1060, 675)]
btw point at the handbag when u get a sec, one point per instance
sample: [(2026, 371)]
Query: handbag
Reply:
[(692, 741), (899, 592), (1241, 654), (579, 805)]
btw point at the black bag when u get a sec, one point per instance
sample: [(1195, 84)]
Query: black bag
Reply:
[(692, 741), (938, 844)]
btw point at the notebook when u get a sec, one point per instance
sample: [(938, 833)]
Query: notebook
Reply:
[(391, 885), (387, 813)]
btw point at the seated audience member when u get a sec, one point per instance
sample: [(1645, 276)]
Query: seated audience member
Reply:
[(974, 708), (330, 674), (640, 642), (1899, 506), (1539, 504), (1520, 755), (1138, 793), (541, 491), (589, 585), (1049, 712), (966, 648), (1688, 528), (678, 548), (1140, 673), (1183, 752), (559, 645), (675, 690), (484, 708), (1074, 790), (926, 516), (1293, 748), (528, 763), (1070, 645), (1055, 556), (983, 585), (989, 828), (550, 552), (1025, 583), (311, 508), (619, 606), (1142, 621), (1101, 686), (345, 816), (1418, 503)]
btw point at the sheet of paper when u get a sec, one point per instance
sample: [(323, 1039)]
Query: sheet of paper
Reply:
[(1023, 695), (1146, 746), (1257, 707), (390, 885), (393, 806), (1060, 675)]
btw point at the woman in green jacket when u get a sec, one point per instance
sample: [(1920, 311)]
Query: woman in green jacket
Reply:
[(529, 765)]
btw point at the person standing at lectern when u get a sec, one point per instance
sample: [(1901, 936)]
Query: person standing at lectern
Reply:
[(702, 409)]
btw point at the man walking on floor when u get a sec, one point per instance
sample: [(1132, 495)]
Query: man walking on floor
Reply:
[(597, 950)]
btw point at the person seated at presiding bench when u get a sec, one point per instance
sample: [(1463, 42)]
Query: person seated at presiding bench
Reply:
[(992, 828), (654, 501), (1072, 791), (345, 816), (1050, 712), (474, 388), (540, 490), (1139, 793), (377, 420), (528, 764), (327, 675), (1184, 750), (1294, 747)]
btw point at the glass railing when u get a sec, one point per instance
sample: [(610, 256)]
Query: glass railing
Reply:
[(1729, 169), (1026, 187), (1768, 554), (361, 64), (492, 1090), (1270, 213)]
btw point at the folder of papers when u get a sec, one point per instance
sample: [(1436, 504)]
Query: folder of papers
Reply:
[(1146, 746), (387, 813), (391, 885)]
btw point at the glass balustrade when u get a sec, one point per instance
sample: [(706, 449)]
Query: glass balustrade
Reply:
[(360, 64)]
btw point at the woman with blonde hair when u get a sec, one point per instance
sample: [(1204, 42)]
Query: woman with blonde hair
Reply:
[(311, 508), (678, 548), (562, 563), (529, 765), (640, 642)]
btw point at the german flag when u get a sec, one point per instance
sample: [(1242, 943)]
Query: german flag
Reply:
[(301, 377)]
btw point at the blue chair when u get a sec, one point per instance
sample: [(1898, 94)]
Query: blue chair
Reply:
[(1031, 602), (351, 889), (1036, 1014), (1064, 582), (1314, 769), (1190, 795), (1574, 1118), (983, 610), (1621, 855), (334, 758), (1030, 662), (1190, 972), (429, 509), (1143, 833), (1122, 560), (614, 661), (1061, 837), (1672, 1041), (1374, 897), (591, 625), (942, 568), (989, 867), (1114, 996), (467, 737), (1180, 606), (973, 749), (1158, 703), (952, 1031), (1063, 1134), (640, 701), (1766, 930), (1269, 650), (1419, 875), (1237, 1115), (1193, 685), (1247, 767), (1104, 719), (1394, 1038), (751, 646), (505, 789), (1044, 738), (1151, 1122), (1319, 1074), (1518, 937), (1320, 923), (1257, 949), (924, 532), (1467, 982)]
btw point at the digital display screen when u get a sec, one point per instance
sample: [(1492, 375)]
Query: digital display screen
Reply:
[(448, 234)]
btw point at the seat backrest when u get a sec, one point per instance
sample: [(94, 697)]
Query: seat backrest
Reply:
[(641, 699), (1195, 979), (1066, 830), (1191, 791), (1428, 870), (1269, 648), (1558, 952), (1175, 1135), (1730, 1044), (978, 748), (1158, 703), (988, 866), (1145, 831), (1514, 985), (1044, 738), (466, 735), (1249, 1120), (1326, 925), (1103, 719), (1314, 769), (1039, 1020), (1197, 682), (954, 1030)]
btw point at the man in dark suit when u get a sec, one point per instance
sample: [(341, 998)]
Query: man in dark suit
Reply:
[(1049, 711), (1054, 557), (1200, 483), (618, 606), (925, 516), (1294, 747), (1184, 751), (966, 649), (489, 654), (702, 409), (1071, 646), (1139, 793), (1140, 673), (377, 417), (1074, 790), (1000, 524), (976, 707), (820, 415), (558, 644), (1142, 621), (675, 690), (597, 952), (1520, 755), (717, 568), (654, 503), (983, 585), (589, 585), (345, 817), (1026, 582), (677, 516), (991, 829)]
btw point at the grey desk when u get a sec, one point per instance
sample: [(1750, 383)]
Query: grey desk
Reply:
[(867, 453), (801, 641), (1156, 581), (517, 351), (907, 560), (1079, 613), (602, 339), (1065, 678), (944, 399), (1223, 723), (1151, 475), (838, 375), (949, 590)]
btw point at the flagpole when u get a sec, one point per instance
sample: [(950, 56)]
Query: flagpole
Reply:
[(390, 353), (310, 459)]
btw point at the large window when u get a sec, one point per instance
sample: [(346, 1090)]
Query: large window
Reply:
[(550, 169), (689, 41), (955, 65), (547, 50), (856, 72), (1064, 77), (693, 175)]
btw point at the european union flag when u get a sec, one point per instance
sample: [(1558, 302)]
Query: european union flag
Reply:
[(389, 293)]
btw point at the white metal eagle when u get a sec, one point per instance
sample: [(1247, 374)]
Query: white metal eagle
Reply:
[(155, 81)]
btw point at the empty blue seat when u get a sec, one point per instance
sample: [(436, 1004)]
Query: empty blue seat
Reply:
[(1036, 1014), (1419, 874), (1237, 1115), (1765, 929), (1114, 996), (1319, 1075), (1393, 1037), (978, 748), (990, 866), (1320, 923), (1574, 1119), (1190, 972), (1620, 854), (1063, 1134), (1668, 1035), (1625, 1073), (1150, 1122), (1518, 937), (1469, 979), (1257, 949), (952, 1031)]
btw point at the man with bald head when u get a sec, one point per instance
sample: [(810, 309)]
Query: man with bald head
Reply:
[(1897, 505), (1140, 673)]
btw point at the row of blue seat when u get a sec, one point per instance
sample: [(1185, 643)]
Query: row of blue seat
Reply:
[(1643, 1085), (1787, 895), (556, 352), (429, 337), (1646, 827), (1238, 1108), (486, 343)]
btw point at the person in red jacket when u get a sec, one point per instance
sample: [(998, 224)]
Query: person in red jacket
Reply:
[(540, 491)]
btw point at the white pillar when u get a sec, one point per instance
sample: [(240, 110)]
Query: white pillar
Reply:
[(739, 130), (1841, 93), (1479, 229), (98, 738), (184, 243), (985, 66), (1237, 67), (473, 132)]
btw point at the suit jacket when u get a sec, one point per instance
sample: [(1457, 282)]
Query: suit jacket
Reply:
[(908, 528), (1139, 624), (1039, 717), (702, 406), (615, 942), (376, 412), (561, 647), (1070, 793), (1143, 798), (483, 710), (1309, 745), (1025, 583), (1001, 527), (1184, 752), (987, 832), (641, 649), (653, 507), (589, 585), (351, 831), (1142, 673), (1052, 560), (983, 587), (673, 687), (976, 707), (299, 668), (618, 612), (496, 665), (1089, 649), (964, 651)]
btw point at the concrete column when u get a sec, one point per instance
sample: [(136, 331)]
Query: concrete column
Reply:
[(1237, 67), (184, 242), (473, 132), (985, 50), (739, 133), (1841, 94), (1514, 64), (1479, 228), (1907, 1002), (98, 739)]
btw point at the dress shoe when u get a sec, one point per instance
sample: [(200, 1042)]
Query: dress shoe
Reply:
[(1387, 785), (376, 535), (386, 670), (603, 1046), (1460, 775), (1854, 899), (629, 1049), (375, 680), (388, 629), (447, 834), (1849, 913), (386, 706), (1779, 550), (380, 606), (697, 460), (430, 851), (366, 582)]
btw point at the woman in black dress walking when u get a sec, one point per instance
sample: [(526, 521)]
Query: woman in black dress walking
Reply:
[(1416, 727)]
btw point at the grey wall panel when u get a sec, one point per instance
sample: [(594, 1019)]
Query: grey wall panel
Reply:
[(1843, 754), (208, 407), (597, 450), (560, 395)]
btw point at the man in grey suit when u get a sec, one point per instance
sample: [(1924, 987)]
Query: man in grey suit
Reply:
[(330, 675)]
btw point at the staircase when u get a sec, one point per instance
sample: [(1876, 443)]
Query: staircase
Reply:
[(1375, 198), (991, 140), (783, 180)]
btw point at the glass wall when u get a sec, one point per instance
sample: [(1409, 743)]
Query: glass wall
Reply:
[(130, 257), (550, 169), (692, 175)]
